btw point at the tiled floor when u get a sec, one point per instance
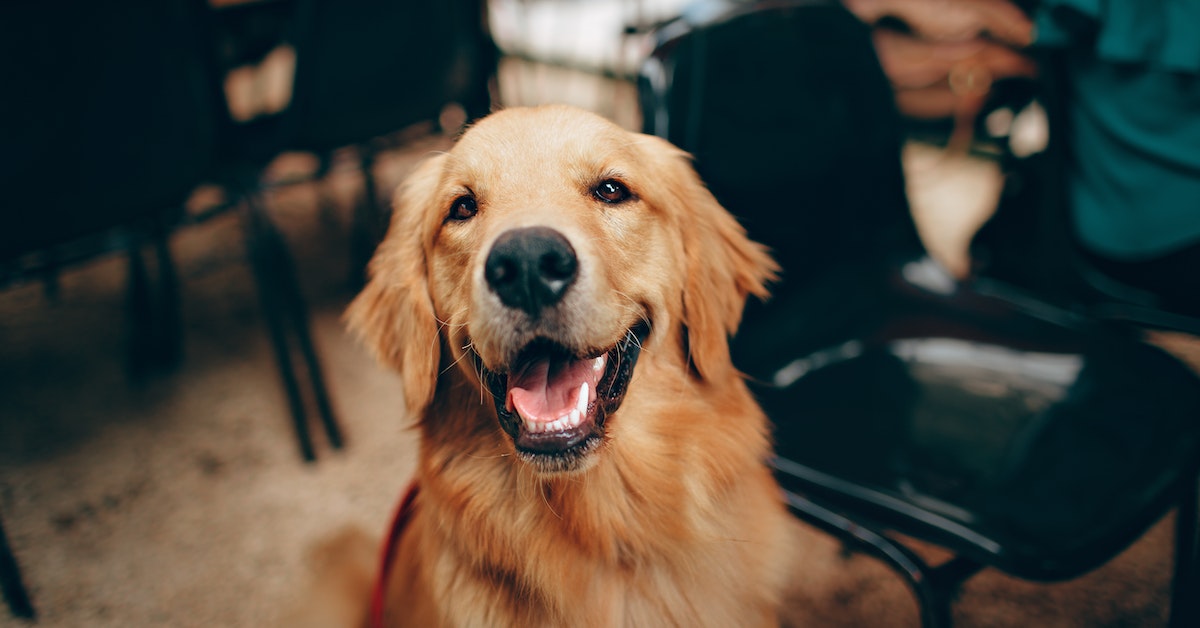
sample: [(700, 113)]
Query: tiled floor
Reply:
[(180, 500)]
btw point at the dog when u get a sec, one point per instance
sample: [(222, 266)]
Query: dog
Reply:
[(557, 295)]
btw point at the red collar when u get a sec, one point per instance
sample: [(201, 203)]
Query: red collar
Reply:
[(391, 543)]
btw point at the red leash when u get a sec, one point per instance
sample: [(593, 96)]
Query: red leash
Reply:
[(391, 543)]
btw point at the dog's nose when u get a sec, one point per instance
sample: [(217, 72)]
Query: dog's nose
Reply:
[(531, 268)]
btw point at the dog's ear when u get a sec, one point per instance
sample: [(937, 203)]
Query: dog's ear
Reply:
[(394, 315), (724, 267)]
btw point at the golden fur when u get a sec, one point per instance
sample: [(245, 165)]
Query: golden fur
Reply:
[(673, 519)]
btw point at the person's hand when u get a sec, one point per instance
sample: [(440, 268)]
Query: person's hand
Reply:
[(951, 20), (952, 52)]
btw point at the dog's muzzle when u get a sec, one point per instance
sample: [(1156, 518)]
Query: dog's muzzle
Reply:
[(551, 398)]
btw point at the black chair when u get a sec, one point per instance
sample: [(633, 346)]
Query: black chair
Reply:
[(93, 161), (107, 129), (116, 116), (365, 69), (1016, 434)]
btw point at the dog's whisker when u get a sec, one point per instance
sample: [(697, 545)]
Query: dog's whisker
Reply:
[(633, 303), (529, 480), (453, 364), (491, 457), (546, 500), (485, 391), (637, 341), (477, 371), (649, 323), (445, 324), (643, 316)]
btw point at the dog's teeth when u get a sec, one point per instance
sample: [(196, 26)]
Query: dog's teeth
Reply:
[(568, 421), (598, 364), (582, 404)]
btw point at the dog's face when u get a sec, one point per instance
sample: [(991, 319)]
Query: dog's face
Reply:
[(542, 258)]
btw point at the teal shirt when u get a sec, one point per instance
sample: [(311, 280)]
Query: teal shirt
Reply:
[(1134, 180)]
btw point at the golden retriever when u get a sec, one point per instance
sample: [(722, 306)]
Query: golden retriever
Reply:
[(557, 295)]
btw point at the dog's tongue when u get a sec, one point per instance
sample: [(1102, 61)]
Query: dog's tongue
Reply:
[(547, 388)]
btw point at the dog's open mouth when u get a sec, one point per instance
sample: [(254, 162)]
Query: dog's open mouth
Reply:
[(553, 403)]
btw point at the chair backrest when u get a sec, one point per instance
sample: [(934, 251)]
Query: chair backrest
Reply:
[(365, 68), (793, 126), (107, 116)]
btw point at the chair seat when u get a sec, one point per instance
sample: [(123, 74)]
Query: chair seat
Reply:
[(1077, 439)]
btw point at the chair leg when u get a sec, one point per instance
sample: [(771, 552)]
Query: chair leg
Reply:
[(155, 328), (263, 245), (931, 590), (948, 577), (1185, 608), (169, 319), (369, 223), (15, 593), (284, 307), (301, 327), (327, 207), (140, 312)]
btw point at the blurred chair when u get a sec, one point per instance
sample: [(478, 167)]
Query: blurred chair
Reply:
[(108, 125), (107, 130), (117, 115), (365, 69), (1015, 434)]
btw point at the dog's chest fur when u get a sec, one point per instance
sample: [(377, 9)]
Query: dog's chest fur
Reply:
[(653, 535)]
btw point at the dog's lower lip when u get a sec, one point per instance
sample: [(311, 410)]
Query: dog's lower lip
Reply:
[(554, 442)]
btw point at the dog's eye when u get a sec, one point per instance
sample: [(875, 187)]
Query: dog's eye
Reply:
[(464, 207), (612, 191)]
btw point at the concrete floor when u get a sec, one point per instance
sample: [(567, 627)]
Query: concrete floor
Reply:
[(181, 499)]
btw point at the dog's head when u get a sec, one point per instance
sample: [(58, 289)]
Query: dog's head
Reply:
[(540, 259)]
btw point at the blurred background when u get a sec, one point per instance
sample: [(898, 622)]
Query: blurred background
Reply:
[(192, 190)]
